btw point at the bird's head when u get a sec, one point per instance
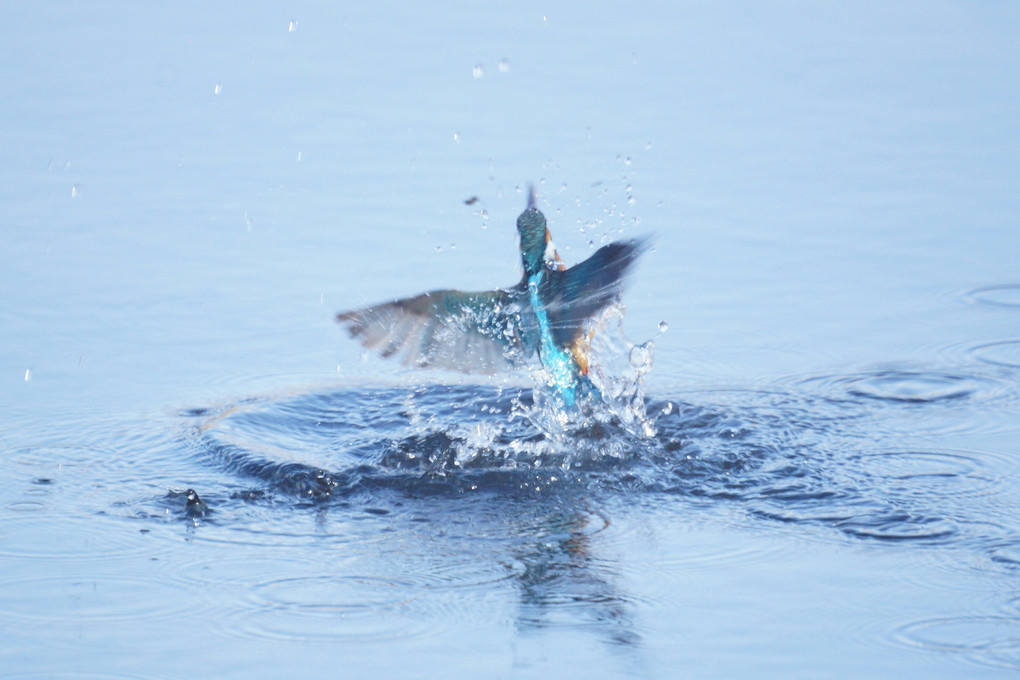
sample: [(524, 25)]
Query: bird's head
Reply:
[(534, 237)]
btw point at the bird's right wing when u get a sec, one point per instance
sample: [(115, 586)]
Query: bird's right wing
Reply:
[(450, 329)]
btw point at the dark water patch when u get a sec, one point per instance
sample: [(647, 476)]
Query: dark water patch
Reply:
[(1002, 295), (782, 456)]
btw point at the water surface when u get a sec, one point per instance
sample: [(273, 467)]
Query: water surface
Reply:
[(816, 478)]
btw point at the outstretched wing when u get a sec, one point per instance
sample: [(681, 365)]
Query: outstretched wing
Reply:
[(470, 332), (573, 296)]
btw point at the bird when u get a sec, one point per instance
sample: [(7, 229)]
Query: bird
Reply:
[(546, 313)]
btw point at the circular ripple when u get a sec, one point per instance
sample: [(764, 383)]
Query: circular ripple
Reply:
[(1005, 353), (74, 675), (904, 386), (913, 386), (1004, 295), (42, 535), (25, 506), (91, 599), (988, 640), (224, 570), (333, 594), (924, 474), (56, 458), (1007, 553), (331, 608), (902, 527)]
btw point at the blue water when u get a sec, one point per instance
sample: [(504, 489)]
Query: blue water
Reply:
[(816, 476)]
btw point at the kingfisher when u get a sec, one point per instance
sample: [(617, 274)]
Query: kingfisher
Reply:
[(547, 313)]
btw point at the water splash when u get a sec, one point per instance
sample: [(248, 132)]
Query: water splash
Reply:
[(588, 430)]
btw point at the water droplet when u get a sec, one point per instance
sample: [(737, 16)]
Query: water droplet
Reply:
[(299, 156), (663, 326), (648, 146), (668, 408), (76, 191), (28, 374), (292, 27), (641, 356), (456, 136), (626, 161), (217, 89), (439, 249), (453, 246), (504, 65), (478, 71)]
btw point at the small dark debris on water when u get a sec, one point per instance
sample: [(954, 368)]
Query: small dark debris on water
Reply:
[(195, 506), (471, 201)]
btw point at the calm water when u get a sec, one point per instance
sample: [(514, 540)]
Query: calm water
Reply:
[(820, 479)]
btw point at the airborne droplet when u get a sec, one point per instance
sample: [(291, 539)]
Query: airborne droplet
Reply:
[(641, 357)]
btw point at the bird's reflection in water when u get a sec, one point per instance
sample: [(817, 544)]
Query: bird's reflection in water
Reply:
[(564, 583)]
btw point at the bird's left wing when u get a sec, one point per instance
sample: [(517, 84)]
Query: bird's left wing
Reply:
[(573, 296), (451, 329)]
